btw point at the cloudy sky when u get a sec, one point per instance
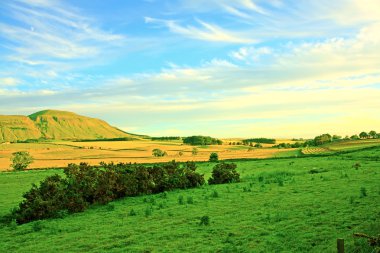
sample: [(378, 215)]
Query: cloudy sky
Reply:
[(226, 68)]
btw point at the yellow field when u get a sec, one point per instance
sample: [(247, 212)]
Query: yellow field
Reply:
[(59, 154)]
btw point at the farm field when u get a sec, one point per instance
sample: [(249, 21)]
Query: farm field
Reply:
[(61, 153), (281, 205)]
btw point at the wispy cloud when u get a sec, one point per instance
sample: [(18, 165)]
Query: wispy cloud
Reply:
[(45, 32), (204, 31)]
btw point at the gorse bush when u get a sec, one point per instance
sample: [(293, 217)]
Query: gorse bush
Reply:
[(224, 173), (85, 185), (213, 157)]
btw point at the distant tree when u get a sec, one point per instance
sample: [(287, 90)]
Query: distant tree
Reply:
[(363, 135), (336, 137), (158, 152), (321, 139), (214, 157), (21, 160), (354, 137), (180, 153), (258, 145), (373, 134), (194, 151)]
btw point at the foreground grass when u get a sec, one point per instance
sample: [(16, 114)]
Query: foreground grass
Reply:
[(279, 206)]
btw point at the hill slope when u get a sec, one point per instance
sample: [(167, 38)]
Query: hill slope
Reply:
[(58, 125)]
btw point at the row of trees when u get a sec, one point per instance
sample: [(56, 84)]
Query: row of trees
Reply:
[(198, 140), (259, 140), (326, 138), (84, 185)]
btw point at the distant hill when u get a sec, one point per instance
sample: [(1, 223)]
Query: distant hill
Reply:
[(56, 125)]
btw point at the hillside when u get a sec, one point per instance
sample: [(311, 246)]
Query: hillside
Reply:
[(57, 125)]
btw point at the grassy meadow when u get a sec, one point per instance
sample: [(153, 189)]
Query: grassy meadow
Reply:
[(281, 205)]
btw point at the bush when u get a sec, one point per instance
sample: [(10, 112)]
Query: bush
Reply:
[(224, 173), (205, 220), (214, 157), (85, 185), (158, 152), (21, 160)]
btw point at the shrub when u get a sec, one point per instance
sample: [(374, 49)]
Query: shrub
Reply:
[(158, 152), (180, 200), (213, 157), (224, 173), (21, 160), (132, 213), (85, 185), (363, 192), (205, 220), (194, 151), (214, 194), (190, 200)]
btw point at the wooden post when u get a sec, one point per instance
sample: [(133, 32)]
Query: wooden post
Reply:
[(340, 245)]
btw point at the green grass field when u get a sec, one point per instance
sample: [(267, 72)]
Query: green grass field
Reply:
[(281, 205)]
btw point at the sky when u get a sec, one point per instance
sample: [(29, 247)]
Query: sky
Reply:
[(225, 68)]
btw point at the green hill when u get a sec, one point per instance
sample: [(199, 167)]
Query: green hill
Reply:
[(57, 125)]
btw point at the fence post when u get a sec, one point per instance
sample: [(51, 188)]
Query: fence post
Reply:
[(340, 245)]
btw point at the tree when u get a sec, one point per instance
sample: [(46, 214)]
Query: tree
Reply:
[(363, 135), (258, 145), (354, 137), (213, 157), (21, 160), (224, 173), (158, 152), (373, 134), (194, 151)]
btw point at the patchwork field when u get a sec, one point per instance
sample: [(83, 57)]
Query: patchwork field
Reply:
[(60, 153), (281, 205)]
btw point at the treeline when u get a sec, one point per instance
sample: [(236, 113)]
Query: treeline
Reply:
[(259, 140), (201, 140), (107, 139), (166, 138), (84, 185), (326, 138)]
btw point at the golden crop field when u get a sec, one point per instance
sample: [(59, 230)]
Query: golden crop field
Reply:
[(61, 153)]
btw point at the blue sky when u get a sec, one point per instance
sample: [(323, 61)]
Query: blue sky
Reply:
[(226, 68)]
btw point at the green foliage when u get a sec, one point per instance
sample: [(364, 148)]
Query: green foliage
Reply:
[(180, 200), (363, 192), (132, 212), (190, 200), (194, 151), (205, 220), (21, 160), (322, 139), (363, 135), (201, 140), (258, 145), (158, 152), (85, 185), (214, 157), (224, 173)]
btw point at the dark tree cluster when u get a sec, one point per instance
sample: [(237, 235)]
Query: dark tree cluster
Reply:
[(224, 173), (198, 140), (259, 140), (84, 185), (166, 138)]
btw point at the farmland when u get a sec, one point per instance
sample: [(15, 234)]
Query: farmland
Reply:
[(289, 204), (60, 153)]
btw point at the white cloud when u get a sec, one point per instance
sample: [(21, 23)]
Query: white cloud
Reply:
[(50, 31), (9, 81), (206, 31)]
